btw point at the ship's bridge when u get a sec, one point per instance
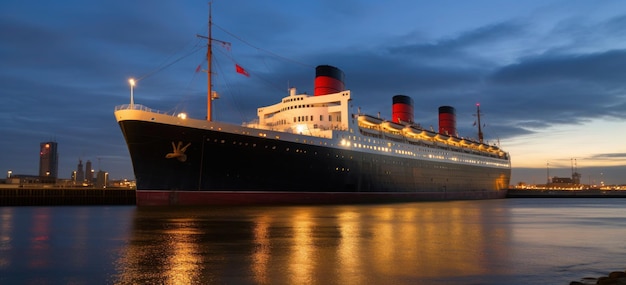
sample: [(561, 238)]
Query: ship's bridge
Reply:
[(306, 114)]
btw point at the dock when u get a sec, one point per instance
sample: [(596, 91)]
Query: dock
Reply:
[(126, 196), (552, 193), (66, 196)]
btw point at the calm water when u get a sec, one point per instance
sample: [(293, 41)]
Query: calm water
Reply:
[(511, 241)]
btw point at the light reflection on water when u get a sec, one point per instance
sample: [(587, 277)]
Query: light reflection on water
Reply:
[(513, 241), (375, 244)]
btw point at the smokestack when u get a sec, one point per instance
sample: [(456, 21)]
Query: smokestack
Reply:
[(328, 80), (402, 109), (447, 121)]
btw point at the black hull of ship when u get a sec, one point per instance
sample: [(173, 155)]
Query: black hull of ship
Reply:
[(227, 168)]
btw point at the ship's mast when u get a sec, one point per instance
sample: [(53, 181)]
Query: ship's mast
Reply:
[(209, 56), (480, 131), (208, 59)]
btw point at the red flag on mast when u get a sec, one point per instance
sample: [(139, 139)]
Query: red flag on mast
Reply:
[(241, 70)]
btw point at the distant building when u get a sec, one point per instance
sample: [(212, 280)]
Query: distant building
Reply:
[(88, 173), (124, 183), (102, 179), (21, 179), (48, 160), (562, 180), (80, 173), (576, 177)]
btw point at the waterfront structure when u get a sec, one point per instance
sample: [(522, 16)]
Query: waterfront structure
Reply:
[(48, 160)]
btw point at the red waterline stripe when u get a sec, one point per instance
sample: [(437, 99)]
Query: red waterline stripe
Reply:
[(163, 198)]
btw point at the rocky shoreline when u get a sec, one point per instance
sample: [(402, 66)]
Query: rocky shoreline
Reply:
[(614, 278)]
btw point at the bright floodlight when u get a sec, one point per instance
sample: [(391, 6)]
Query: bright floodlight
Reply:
[(132, 100)]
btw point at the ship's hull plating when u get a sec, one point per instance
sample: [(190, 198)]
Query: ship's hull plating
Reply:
[(221, 168)]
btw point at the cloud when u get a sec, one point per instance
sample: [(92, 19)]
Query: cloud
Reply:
[(604, 67), (610, 156), (463, 49)]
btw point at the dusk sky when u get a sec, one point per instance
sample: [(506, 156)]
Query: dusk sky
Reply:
[(550, 76)]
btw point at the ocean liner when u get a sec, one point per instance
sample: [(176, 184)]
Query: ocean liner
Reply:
[(308, 149)]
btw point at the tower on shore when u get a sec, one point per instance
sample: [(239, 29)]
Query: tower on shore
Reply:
[(48, 160), (80, 172)]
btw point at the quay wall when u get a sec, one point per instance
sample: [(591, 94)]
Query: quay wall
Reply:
[(548, 193), (32, 196), (66, 196)]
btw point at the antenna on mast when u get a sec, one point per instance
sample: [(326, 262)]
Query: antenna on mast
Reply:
[(480, 131)]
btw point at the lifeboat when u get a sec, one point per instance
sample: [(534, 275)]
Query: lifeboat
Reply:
[(442, 137), (483, 147), (454, 139), (470, 143), (411, 134), (428, 134), (411, 131), (392, 126), (369, 120), (369, 130)]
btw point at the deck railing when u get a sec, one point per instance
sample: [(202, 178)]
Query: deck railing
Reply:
[(140, 108)]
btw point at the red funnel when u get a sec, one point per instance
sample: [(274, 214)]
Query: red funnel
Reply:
[(328, 80), (402, 109), (447, 121)]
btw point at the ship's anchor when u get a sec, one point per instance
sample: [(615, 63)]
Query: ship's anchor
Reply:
[(178, 151)]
